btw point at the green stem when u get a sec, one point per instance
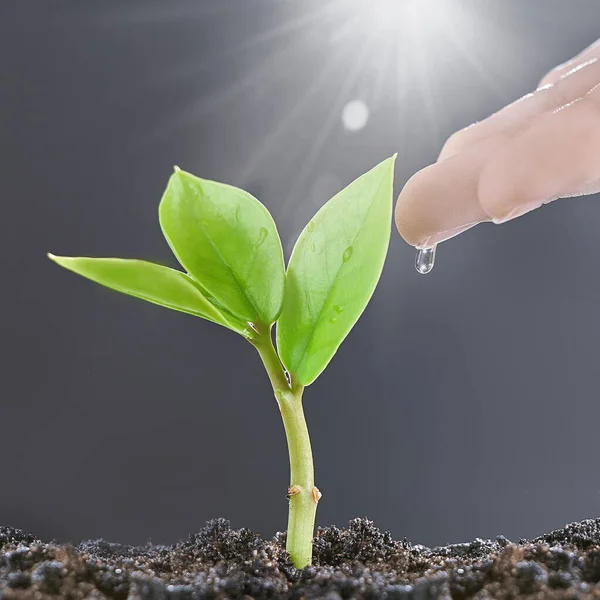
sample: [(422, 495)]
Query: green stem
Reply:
[(302, 492)]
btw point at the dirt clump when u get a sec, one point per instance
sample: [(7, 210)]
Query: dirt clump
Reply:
[(359, 562)]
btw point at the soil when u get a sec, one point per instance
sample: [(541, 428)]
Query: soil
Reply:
[(358, 562)]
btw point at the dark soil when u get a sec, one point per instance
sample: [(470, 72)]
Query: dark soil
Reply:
[(358, 562)]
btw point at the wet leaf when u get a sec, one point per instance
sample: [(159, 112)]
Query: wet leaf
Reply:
[(333, 271), (226, 239), (148, 281)]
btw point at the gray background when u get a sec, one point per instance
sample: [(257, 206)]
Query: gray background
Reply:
[(464, 403)]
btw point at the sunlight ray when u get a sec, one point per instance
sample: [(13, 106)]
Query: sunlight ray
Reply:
[(330, 121), (453, 35), (422, 77), (261, 75), (275, 134), (194, 66), (383, 68)]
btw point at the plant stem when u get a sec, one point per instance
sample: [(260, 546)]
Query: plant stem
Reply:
[(302, 492)]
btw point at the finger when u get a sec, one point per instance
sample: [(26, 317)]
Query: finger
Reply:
[(573, 84), (440, 201), (505, 175), (592, 51), (557, 156)]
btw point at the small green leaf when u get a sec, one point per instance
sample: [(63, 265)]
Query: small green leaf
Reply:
[(227, 240), (145, 280), (333, 271)]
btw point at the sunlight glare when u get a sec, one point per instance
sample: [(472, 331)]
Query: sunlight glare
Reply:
[(393, 15)]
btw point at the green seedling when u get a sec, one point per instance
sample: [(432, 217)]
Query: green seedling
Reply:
[(228, 245)]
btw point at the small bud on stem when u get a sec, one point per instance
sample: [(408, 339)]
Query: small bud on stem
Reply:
[(316, 494), (293, 490)]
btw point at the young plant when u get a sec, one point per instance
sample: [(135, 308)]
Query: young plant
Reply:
[(229, 247)]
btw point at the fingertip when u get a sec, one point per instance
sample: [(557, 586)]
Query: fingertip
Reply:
[(440, 201), (410, 218)]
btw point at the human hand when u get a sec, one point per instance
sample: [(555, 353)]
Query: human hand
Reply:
[(542, 147)]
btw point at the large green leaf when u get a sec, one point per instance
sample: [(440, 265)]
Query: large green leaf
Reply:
[(333, 271), (154, 283), (226, 239)]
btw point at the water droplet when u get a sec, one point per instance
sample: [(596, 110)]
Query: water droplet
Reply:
[(425, 260), (262, 236), (311, 226), (237, 213), (347, 254), (338, 308), (332, 320), (313, 247)]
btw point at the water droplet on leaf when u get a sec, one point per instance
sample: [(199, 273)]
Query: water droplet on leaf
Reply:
[(332, 319), (313, 247), (311, 226), (347, 254), (237, 213), (425, 260), (338, 308)]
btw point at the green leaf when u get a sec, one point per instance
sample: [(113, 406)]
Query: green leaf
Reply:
[(333, 271), (154, 283), (227, 240)]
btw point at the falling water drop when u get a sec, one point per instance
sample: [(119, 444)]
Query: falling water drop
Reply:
[(425, 260)]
